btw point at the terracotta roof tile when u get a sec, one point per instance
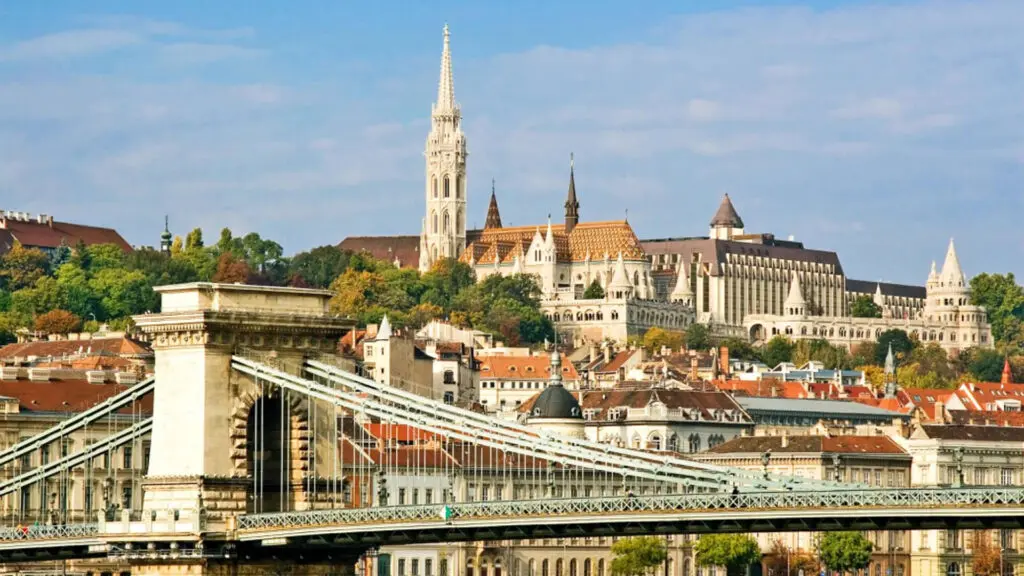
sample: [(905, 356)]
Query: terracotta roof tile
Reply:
[(46, 235), (524, 368), (122, 346), (51, 395), (405, 248), (593, 238), (810, 444)]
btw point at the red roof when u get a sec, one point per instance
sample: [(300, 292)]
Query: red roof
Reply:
[(65, 395), (53, 234), (523, 368), (121, 346)]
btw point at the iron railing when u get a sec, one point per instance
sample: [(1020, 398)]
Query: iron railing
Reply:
[(49, 532), (603, 509)]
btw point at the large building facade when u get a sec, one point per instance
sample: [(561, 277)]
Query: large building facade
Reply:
[(756, 286)]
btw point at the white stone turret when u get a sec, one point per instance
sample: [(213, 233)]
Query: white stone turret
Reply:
[(620, 286), (952, 275), (795, 304), (682, 292), (445, 230)]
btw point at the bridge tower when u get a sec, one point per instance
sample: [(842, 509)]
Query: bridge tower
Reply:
[(202, 449)]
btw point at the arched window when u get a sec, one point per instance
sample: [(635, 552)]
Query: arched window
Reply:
[(686, 567), (531, 567), (447, 187), (446, 223), (433, 185), (433, 222), (654, 442), (600, 567), (544, 568), (673, 443), (635, 441), (572, 567), (953, 569), (558, 567), (586, 567)]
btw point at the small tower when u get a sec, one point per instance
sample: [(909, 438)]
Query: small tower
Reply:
[(572, 206), (166, 238), (620, 286), (556, 410), (493, 216), (795, 304), (726, 223), (682, 291), (890, 374), (1007, 377)]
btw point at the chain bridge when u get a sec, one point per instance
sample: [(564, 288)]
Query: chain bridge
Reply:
[(264, 447)]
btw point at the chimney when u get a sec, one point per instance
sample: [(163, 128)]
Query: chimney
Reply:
[(95, 376), (593, 352), (371, 331), (940, 412), (694, 372), (607, 353), (49, 221), (723, 361)]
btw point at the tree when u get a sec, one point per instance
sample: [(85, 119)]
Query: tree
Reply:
[(698, 337), (986, 558), (1003, 300), (845, 551), (320, 266), (776, 351), (122, 293), (864, 353), (981, 364), (873, 374), (655, 338), (783, 560), (734, 551), (819, 350), (422, 314), (103, 256), (194, 239), (445, 279), (902, 345), (932, 359), (864, 306), (638, 556), (231, 269), (21, 267), (593, 291), (740, 349), (58, 322)]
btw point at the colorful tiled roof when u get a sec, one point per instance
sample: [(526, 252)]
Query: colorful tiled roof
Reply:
[(523, 368), (593, 239)]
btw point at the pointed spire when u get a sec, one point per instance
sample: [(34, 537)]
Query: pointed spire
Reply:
[(517, 265), (890, 362), (878, 299), (933, 274), (446, 85), (572, 205), (1007, 377), (620, 280), (726, 216), (556, 364), (384, 331), (493, 216), (795, 302), (952, 274), (682, 291), (166, 237), (550, 238)]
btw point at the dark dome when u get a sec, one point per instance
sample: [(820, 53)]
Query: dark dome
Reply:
[(556, 402)]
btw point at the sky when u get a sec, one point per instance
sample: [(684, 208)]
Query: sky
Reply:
[(877, 130)]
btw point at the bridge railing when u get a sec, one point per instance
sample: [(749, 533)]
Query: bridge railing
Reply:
[(905, 498), (49, 532)]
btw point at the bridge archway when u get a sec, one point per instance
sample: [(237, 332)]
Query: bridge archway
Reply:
[(268, 437)]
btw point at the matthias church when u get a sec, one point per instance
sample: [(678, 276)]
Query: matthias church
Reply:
[(740, 284)]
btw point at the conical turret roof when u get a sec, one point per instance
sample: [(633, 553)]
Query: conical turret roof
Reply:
[(795, 299), (682, 288), (951, 270), (493, 216), (726, 215)]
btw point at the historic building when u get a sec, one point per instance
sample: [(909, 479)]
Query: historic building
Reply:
[(565, 257), (44, 233), (758, 286)]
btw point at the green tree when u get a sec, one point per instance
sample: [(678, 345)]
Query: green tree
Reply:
[(845, 551), (638, 556), (593, 291), (776, 351), (443, 282), (902, 345), (698, 337), (74, 293), (320, 266), (194, 239), (104, 256), (122, 293), (740, 349), (932, 359), (656, 337), (864, 353), (1003, 300), (21, 267), (864, 306), (734, 551), (819, 350), (981, 364)]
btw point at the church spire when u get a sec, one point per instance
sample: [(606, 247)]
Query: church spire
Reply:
[(493, 217), (166, 237), (572, 206), (446, 85)]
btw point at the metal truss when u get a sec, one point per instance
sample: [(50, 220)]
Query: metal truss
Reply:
[(768, 509), (526, 444), (664, 464), (65, 427), (98, 448)]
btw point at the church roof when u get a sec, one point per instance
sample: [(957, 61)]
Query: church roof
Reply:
[(405, 248), (493, 216), (726, 215), (593, 238)]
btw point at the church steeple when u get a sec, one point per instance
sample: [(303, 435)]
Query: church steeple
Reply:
[(572, 206), (445, 231), (493, 217), (166, 238)]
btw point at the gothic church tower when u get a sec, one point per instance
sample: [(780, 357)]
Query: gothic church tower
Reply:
[(444, 228)]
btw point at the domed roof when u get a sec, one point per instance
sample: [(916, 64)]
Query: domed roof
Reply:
[(556, 402)]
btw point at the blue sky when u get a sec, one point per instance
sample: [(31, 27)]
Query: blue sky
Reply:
[(878, 130)]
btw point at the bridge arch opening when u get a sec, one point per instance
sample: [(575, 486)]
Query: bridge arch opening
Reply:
[(268, 438)]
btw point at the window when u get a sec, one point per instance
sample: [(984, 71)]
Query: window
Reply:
[(442, 566), (415, 567), (1006, 477), (447, 187), (449, 377), (449, 397), (44, 455), (127, 453), (401, 496), (428, 498), (428, 567), (401, 567), (953, 569), (953, 540), (126, 497), (415, 501)]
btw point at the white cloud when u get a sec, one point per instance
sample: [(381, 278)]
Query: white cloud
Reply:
[(70, 44), (866, 129)]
